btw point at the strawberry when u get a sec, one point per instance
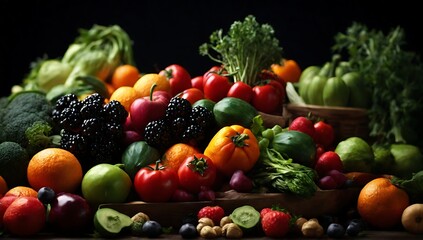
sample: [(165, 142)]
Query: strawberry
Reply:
[(328, 161), (215, 213), (275, 224), (264, 211), (303, 124)]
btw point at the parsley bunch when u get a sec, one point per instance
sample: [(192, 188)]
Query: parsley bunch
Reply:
[(246, 50)]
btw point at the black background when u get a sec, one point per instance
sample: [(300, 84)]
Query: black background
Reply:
[(167, 32)]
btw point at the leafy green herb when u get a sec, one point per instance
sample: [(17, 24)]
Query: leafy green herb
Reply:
[(246, 50), (283, 175), (273, 171), (413, 186), (395, 77)]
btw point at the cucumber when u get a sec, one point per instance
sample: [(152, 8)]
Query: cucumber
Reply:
[(109, 222), (247, 217), (207, 103), (296, 145), (231, 110)]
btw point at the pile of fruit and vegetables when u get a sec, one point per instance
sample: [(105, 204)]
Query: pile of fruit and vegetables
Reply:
[(90, 129)]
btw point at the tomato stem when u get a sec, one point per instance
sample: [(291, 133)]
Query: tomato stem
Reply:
[(198, 165)]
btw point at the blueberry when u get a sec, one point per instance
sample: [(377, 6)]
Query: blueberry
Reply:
[(188, 230), (360, 224), (46, 195), (353, 229), (152, 229), (335, 230)]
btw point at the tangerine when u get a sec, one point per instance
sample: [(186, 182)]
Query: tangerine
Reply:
[(25, 216), (55, 168), (125, 75), (143, 85), (381, 203), (3, 186), (22, 191), (177, 153), (125, 95)]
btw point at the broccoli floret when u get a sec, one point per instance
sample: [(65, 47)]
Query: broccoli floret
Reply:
[(13, 164), (40, 136), (21, 112)]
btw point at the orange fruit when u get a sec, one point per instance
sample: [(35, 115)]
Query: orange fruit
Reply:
[(125, 75), (381, 203), (143, 85), (3, 186), (56, 168), (125, 95), (22, 191), (177, 153), (25, 216)]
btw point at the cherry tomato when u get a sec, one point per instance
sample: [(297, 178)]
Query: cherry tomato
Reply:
[(324, 134), (266, 98), (155, 183), (195, 172), (192, 94), (241, 90), (179, 78)]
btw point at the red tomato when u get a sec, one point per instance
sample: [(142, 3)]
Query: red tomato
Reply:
[(155, 183), (266, 98), (195, 172), (197, 82), (280, 87), (192, 94), (241, 90), (324, 134), (179, 78), (215, 85)]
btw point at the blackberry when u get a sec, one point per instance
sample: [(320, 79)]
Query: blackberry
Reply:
[(91, 127), (157, 134), (70, 119), (64, 101), (202, 116), (115, 112), (114, 129), (90, 130), (91, 105), (178, 126), (194, 134), (103, 150), (178, 107), (73, 142)]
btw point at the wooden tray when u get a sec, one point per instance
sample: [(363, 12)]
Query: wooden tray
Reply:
[(172, 213)]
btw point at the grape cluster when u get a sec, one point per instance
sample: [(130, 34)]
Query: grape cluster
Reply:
[(181, 123), (90, 129)]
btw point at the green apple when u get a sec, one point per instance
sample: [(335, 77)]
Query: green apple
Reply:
[(106, 183)]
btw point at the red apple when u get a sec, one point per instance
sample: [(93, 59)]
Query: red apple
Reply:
[(70, 213), (147, 109)]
